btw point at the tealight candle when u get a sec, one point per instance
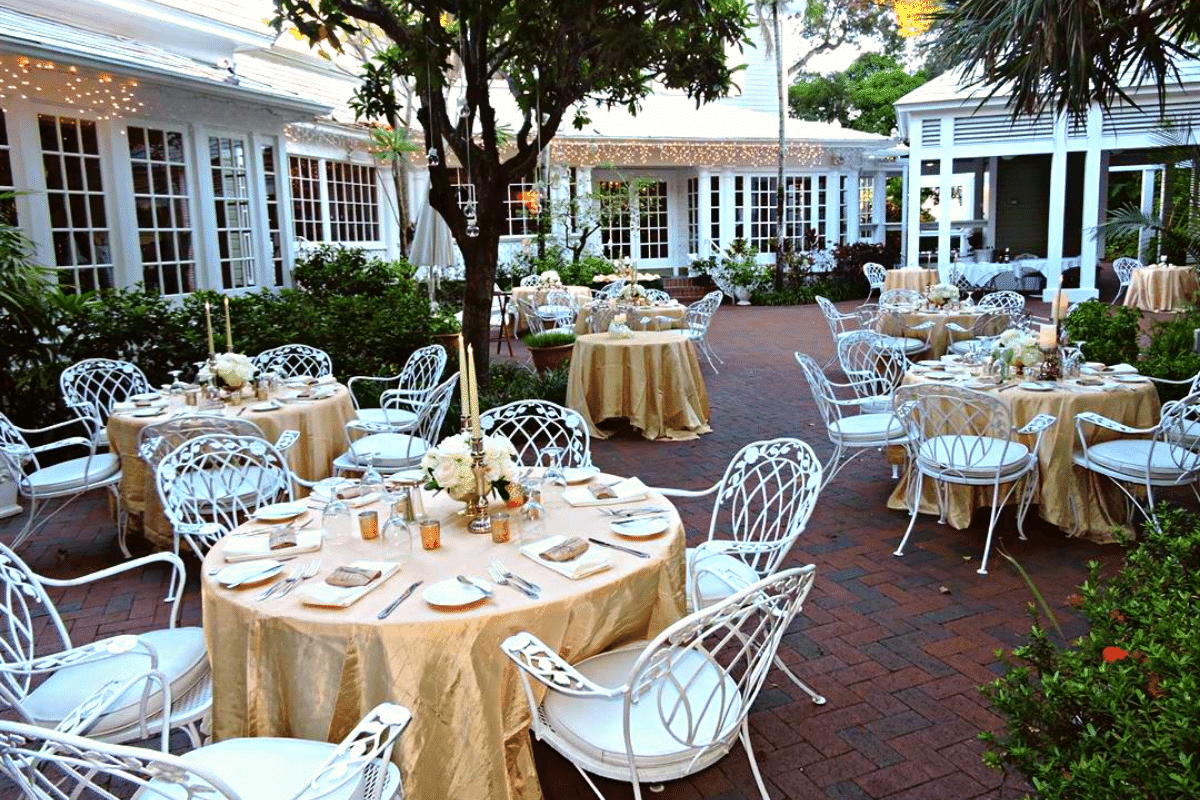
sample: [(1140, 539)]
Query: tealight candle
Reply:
[(1047, 337)]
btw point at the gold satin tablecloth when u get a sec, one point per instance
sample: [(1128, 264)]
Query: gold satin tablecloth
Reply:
[(676, 312), (939, 337), (652, 379), (321, 424), (1161, 288), (281, 668), (533, 294), (1076, 500), (910, 278)]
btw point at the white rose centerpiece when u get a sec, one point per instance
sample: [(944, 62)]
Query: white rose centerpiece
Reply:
[(633, 294), (939, 294), (1018, 348), (549, 280), (447, 467), (234, 370)]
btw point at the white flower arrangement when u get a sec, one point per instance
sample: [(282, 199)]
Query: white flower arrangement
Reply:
[(940, 294), (633, 294), (549, 279), (1018, 348), (447, 467), (235, 370)]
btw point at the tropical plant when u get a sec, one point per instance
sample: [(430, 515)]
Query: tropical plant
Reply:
[(1109, 334), (1170, 354)]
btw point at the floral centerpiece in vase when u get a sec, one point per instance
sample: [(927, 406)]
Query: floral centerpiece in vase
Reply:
[(939, 295), (228, 370), (549, 280), (619, 327), (632, 294), (1017, 348), (447, 467)]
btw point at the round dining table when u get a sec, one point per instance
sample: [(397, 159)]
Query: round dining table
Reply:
[(1160, 288), (537, 296), (1076, 500), (900, 322), (651, 378), (320, 422), (915, 278), (661, 317), (284, 668)]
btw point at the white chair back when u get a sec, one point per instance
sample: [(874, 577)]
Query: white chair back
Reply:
[(658, 296), (428, 425), (530, 280), (295, 360), (16, 456), (534, 425), (822, 390), (900, 297), (876, 274), (93, 386), (420, 376), (953, 431), (23, 612), (613, 289), (873, 365), (157, 440), (1010, 303)]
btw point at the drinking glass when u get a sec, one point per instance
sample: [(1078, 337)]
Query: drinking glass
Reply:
[(533, 516), (337, 523), (554, 470), (398, 539), (177, 385), (372, 480)]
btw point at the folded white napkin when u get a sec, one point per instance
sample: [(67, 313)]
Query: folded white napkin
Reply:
[(589, 563), (249, 546), (363, 500), (324, 391), (1123, 369), (326, 380), (626, 491), (322, 594), (130, 405)]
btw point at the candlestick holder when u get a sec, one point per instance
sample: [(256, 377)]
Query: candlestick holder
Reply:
[(1051, 366), (477, 509)]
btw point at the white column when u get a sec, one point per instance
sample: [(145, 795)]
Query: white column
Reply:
[(912, 206), (1092, 183), (1147, 208), (703, 212), (833, 206), (853, 206), (879, 208), (992, 206), (1058, 200), (727, 198)]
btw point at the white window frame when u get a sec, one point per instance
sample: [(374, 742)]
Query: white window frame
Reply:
[(277, 263), (519, 221), (658, 219), (693, 213), (6, 153), (253, 223), (326, 224)]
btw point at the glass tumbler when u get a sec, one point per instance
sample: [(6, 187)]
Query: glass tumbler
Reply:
[(398, 539)]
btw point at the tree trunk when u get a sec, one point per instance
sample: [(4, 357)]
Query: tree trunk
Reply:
[(779, 192), (481, 256), (399, 170)]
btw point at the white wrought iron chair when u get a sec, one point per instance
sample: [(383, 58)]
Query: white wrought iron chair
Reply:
[(985, 327), (560, 308), (1006, 302), (876, 278), (764, 501), (697, 321), (961, 437), (851, 434), (49, 765), (874, 366), (613, 289), (210, 484), (658, 296), (547, 319), (911, 338), (900, 297), (404, 394), (534, 425), (44, 677), (157, 440), (389, 451), (663, 710), (62, 481), (530, 280), (839, 324), (295, 361), (93, 386), (1124, 267), (1163, 455)]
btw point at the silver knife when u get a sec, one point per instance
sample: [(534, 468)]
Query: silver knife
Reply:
[(463, 579), (392, 605), (629, 550)]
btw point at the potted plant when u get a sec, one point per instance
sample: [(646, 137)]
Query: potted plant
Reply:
[(445, 328), (739, 274), (549, 350)]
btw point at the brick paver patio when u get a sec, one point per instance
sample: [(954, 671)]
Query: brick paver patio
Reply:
[(897, 645)]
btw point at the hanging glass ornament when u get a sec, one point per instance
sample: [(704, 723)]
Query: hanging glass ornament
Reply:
[(433, 157), (472, 228)]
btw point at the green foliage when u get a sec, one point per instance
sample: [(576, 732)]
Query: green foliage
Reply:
[(1170, 355), (862, 98), (535, 340), (330, 270), (1109, 334), (739, 266), (1113, 714), (444, 321), (512, 382)]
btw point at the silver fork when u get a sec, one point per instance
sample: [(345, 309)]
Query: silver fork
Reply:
[(500, 578), (270, 590), (310, 571), (498, 565)]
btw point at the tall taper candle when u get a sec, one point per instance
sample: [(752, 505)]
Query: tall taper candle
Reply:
[(228, 328), (208, 323), (474, 392), (463, 389)]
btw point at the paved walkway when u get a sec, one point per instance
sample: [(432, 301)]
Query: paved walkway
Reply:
[(897, 645)]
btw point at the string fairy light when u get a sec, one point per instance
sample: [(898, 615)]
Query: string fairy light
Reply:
[(101, 96)]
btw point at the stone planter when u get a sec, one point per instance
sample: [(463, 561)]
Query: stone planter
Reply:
[(548, 358), (447, 340), (742, 294)]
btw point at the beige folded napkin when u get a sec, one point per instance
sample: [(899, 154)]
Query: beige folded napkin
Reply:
[(351, 577), (363, 500), (321, 392), (247, 547), (625, 491), (569, 550), (322, 594), (589, 563)]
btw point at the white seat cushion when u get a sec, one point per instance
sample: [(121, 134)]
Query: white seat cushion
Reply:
[(181, 657), (595, 725), (1186, 434), (974, 456), (390, 449), (962, 346), (267, 769), (712, 587), (907, 343), (1131, 456), (72, 474), (397, 417), (868, 428)]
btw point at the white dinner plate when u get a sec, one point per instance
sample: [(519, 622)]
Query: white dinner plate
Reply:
[(278, 512), (930, 362), (580, 474), (271, 406), (641, 528), (938, 375), (256, 571), (152, 411), (1031, 386), (1129, 378), (144, 396), (452, 593), (982, 385)]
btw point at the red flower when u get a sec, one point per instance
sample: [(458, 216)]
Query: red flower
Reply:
[(1112, 654)]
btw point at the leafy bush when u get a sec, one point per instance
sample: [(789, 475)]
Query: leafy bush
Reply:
[(1114, 714), (836, 290), (1170, 355), (331, 270), (1108, 334), (533, 340), (512, 382)]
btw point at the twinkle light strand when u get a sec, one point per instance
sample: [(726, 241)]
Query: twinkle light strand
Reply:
[(101, 96)]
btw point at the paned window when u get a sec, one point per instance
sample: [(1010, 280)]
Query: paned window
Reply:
[(8, 209), (616, 233), (229, 168), (762, 213), (866, 200), (797, 199), (163, 205), (270, 170), (75, 193), (353, 202), (306, 198), (843, 207), (821, 212), (714, 209), (693, 214), (521, 207), (739, 212), (652, 220)]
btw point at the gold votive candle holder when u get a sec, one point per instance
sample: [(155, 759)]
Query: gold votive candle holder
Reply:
[(191, 397), (501, 528), (368, 525), (431, 533), (516, 495)]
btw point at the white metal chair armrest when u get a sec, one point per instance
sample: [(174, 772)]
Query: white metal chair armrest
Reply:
[(1038, 424), (537, 660), (81, 719), (72, 441), (286, 440), (83, 654), (368, 379), (1101, 421), (668, 492), (174, 593)]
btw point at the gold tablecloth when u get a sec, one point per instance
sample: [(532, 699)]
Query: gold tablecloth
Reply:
[(284, 669), (532, 294), (1161, 288), (652, 379), (939, 337), (1076, 500), (910, 278), (676, 312), (321, 424)]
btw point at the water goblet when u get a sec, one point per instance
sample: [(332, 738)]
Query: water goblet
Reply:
[(177, 385), (372, 479), (336, 521), (398, 538), (554, 470)]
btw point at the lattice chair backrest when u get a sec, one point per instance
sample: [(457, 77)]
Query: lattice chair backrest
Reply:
[(420, 375), (822, 390), (529, 310), (1008, 302), (534, 425), (16, 457), (899, 297), (658, 296), (24, 611), (876, 274), (766, 497), (613, 289), (1176, 435), (370, 742), (93, 386), (530, 280), (701, 312), (954, 275), (219, 479), (433, 413), (1124, 267), (599, 316), (873, 364), (294, 361), (155, 441), (951, 425)]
